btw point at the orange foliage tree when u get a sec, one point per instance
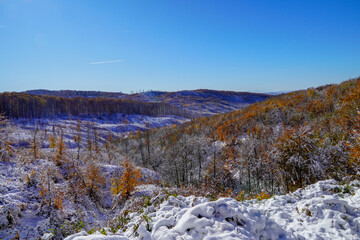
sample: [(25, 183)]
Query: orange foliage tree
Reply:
[(125, 184), (94, 179), (60, 151)]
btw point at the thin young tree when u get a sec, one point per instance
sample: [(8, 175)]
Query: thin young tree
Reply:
[(77, 138), (35, 143)]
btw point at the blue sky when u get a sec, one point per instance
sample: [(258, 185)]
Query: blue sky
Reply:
[(170, 45)]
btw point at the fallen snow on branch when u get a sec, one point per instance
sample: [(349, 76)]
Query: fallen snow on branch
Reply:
[(325, 210)]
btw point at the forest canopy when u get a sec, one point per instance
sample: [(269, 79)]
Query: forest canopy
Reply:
[(23, 105), (277, 145)]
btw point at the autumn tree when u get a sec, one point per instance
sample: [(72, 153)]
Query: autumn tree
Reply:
[(94, 179), (52, 141), (127, 182), (296, 157), (60, 150)]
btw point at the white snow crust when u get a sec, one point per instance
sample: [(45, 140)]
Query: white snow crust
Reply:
[(325, 210)]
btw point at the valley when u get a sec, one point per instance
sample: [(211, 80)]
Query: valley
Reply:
[(111, 175), (179, 120)]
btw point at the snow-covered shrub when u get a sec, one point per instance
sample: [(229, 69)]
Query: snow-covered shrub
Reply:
[(9, 215)]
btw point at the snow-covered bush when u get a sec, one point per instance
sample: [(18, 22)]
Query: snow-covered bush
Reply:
[(9, 215)]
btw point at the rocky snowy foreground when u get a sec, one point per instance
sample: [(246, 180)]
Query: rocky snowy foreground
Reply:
[(325, 210)]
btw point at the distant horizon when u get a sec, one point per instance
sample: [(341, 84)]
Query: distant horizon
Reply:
[(149, 90), (152, 90), (168, 91)]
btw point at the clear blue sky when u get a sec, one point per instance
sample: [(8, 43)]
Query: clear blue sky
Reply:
[(177, 44)]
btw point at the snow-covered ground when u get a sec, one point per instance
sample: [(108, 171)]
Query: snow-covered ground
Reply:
[(23, 129), (21, 209), (325, 210), (115, 123)]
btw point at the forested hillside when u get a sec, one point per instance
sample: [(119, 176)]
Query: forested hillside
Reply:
[(199, 102), (281, 144), (23, 105)]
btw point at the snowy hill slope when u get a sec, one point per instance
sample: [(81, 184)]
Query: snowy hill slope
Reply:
[(117, 124), (22, 131), (23, 211), (202, 101), (325, 210)]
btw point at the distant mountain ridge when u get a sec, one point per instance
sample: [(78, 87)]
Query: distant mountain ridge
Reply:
[(75, 93), (201, 101)]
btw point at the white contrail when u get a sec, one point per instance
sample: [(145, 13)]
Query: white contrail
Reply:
[(112, 61)]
